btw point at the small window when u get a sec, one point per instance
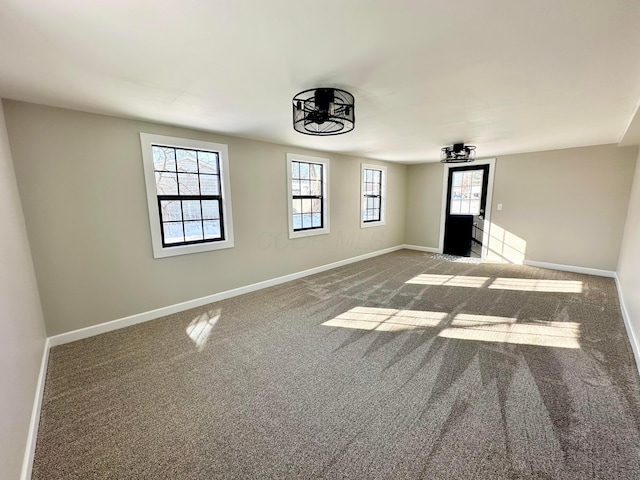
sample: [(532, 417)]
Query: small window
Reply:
[(373, 204), (188, 195), (307, 185), (466, 192)]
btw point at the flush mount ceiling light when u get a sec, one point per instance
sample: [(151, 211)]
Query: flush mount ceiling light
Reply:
[(323, 111), (458, 153)]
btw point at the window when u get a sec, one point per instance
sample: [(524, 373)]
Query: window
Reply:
[(466, 192), (373, 204), (188, 195), (307, 185)]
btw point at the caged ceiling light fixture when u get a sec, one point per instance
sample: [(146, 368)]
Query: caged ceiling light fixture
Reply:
[(323, 112), (458, 153)]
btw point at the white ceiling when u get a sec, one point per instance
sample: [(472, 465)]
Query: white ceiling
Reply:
[(507, 76)]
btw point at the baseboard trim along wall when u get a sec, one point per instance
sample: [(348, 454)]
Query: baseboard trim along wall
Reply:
[(633, 339), (571, 268), (27, 463), (422, 249), (198, 302)]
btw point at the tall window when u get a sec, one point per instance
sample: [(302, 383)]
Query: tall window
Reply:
[(187, 190), (307, 188), (373, 203)]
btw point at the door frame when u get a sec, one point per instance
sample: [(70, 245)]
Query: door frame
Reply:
[(488, 208)]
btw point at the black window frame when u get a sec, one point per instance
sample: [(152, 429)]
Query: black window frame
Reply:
[(200, 198)]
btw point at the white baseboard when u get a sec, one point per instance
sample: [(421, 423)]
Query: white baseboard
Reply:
[(627, 324), (198, 302), (571, 268), (27, 463), (421, 249)]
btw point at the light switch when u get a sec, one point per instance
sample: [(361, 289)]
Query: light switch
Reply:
[(499, 206)]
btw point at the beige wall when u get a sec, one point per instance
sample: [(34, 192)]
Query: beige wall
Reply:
[(22, 333), (81, 181), (629, 261), (562, 206), (424, 203)]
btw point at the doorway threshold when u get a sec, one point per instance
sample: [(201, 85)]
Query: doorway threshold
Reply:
[(455, 258)]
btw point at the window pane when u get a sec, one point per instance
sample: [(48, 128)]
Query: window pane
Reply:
[(210, 209), (212, 229), (316, 220), (164, 158), (173, 232), (208, 162), (305, 187), (316, 187), (304, 171), (295, 170), (170, 211), (316, 205), (455, 207), (306, 205), (188, 184), (474, 207), (166, 183), (368, 175), (193, 231), (477, 177), (457, 178), (297, 206), (295, 187), (377, 176), (464, 207), (306, 221), (297, 222), (186, 160), (209, 185), (316, 171), (191, 209)]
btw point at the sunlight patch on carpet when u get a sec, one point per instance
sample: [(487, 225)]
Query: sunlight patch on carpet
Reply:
[(484, 328), (520, 284), (537, 285), (200, 327), (449, 280), (386, 319), (506, 330)]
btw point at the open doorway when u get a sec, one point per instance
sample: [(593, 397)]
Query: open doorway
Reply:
[(466, 209)]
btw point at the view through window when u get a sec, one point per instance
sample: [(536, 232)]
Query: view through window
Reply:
[(466, 192)]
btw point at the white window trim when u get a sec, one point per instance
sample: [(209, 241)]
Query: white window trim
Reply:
[(383, 194), (147, 140), (325, 196)]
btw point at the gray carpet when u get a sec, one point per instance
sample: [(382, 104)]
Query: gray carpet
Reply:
[(467, 372)]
